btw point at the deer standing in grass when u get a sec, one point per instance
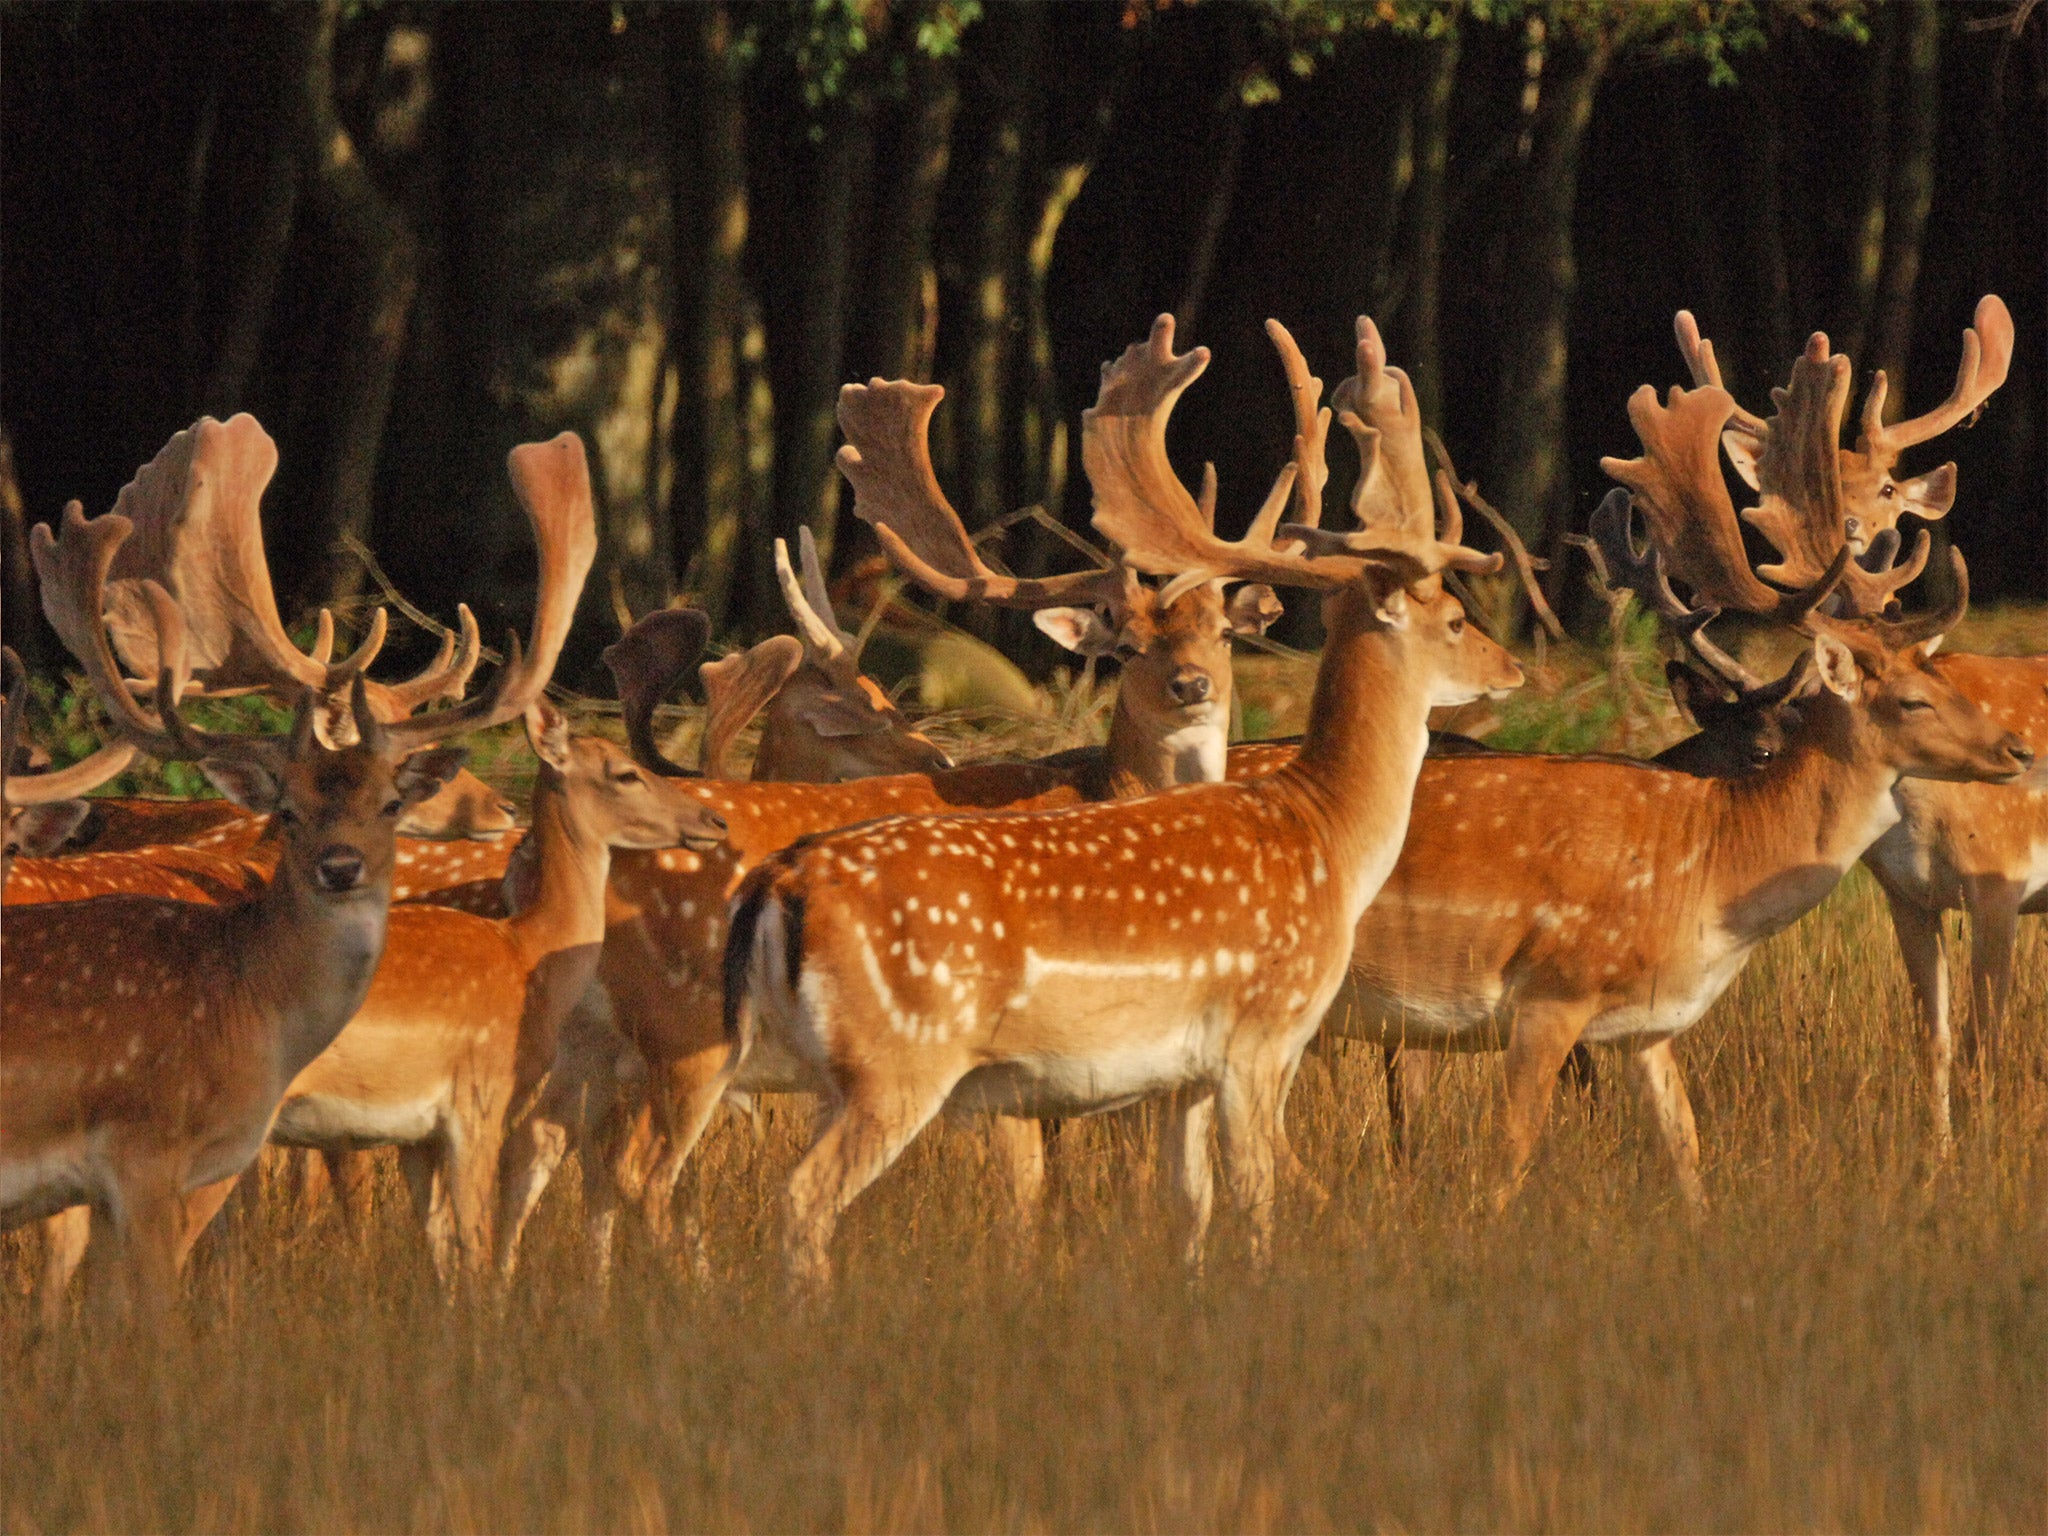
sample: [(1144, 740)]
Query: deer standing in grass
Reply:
[(1073, 961), (662, 988), (1981, 849), (154, 1134), (1540, 901)]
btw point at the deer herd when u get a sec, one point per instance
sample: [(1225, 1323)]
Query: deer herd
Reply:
[(361, 946)]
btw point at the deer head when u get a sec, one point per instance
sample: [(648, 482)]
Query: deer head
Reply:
[(1873, 497)]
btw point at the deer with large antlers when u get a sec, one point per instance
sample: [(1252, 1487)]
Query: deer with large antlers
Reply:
[(131, 1110), (1540, 901), (1073, 961), (662, 988), (1983, 850)]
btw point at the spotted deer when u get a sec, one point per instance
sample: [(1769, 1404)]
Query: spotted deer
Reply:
[(244, 994), (662, 989), (1975, 848), (928, 959), (1540, 901)]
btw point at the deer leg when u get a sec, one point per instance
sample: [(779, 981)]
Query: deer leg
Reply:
[(1921, 946), (1663, 1090), (421, 1163), (1994, 907), (863, 1134), (196, 1212), (353, 1178), (132, 1254), (470, 1168), (685, 1096), (1250, 1102), (1184, 1145), (1543, 1036), (1019, 1148), (1293, 1172), (65, 1236)]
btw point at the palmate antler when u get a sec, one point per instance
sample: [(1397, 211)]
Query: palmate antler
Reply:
[(887, 460), (196, 508), (1167, 531), (1873, 499)]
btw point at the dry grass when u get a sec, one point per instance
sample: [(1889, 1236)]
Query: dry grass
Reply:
[(1852, 1341)]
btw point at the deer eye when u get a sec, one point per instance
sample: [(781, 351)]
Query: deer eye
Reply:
[(1458, 625), (1914, 704), (393, 806), (625, 775), (1125, 651), (1762, 755), (286, 816), (1888, 489)]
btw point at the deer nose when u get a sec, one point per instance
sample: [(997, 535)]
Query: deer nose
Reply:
[(339, 869), (2019, 752), (713, 822), (1190, 687)]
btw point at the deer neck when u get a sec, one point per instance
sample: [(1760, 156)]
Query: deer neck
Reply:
[(571, 863), (1161, 758), (314, 954), (1789, 834), (1368, 729)]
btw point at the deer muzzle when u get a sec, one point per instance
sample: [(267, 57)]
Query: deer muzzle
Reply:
[(339, 868)]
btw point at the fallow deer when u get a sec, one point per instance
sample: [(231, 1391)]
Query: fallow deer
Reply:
[(1540, 901), (241, 996), (662, 989), (1188, 943), (1980, 849)]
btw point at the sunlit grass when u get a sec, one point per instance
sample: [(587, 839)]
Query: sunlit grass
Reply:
[(1857, 1338)]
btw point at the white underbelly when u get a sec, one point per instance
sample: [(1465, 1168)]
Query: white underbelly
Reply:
[(1675, 1005), (333, 1123), (1052, 1083)]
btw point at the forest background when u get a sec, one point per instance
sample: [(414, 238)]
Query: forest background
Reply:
[(407, 236)]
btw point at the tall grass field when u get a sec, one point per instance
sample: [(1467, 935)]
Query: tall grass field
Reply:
[(1855, 1338)]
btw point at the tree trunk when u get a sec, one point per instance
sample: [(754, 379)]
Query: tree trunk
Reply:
[(1423, 262), (894, 338), (825, 186), (563, 170), (1011, 41), (18, 627), (713, 484), (1772, 317), (378, 263), (1908, 197), (1530, 478), (1866, 251)]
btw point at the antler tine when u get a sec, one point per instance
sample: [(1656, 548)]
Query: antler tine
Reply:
[(1393, 491), (887, 461), (552, 480), (645, 662), (822, 639), (812, 570), (1311, 429), (1705, 368), (1898, 633), (1526, 565), (445, 677), (1987, 358), (1618, 566)]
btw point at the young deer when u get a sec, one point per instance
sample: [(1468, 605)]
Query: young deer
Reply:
[(1980, 849), (934, 958), (132, 1112), (662, 989), (1541, 901)]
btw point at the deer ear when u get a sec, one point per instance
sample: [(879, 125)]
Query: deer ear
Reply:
[(1386, 590), (547, 732), (423, 773), (1252, 609), (249, 784), (1834, 664), (38, 831), (1696, 696), (1929, 495), (1080, 630), (831, 714)]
